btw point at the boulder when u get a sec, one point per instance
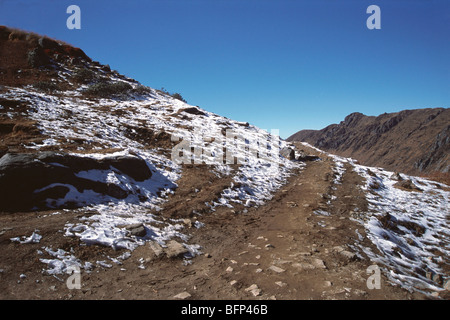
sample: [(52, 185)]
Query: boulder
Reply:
[(397, 176), (288, 153), (305, 157), (192, 110), (407, 185), (30, 181)]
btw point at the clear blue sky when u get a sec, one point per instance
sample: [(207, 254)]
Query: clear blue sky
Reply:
[(278, 64)]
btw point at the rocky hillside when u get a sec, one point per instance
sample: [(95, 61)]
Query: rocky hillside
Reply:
[(410, 141), (76, 134)]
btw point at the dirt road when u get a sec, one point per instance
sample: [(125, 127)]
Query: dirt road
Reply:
[(297, 246)]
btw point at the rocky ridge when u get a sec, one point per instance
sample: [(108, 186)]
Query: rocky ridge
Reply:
[(409, 141)]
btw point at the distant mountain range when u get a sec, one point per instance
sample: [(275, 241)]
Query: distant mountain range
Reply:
[(410, 141)]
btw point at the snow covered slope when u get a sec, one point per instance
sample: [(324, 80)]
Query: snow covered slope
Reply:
[(152, 126), (409, 227), (407, 221)]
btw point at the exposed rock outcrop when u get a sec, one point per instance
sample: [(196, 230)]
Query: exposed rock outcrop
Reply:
[(288, 153), (29, 181)]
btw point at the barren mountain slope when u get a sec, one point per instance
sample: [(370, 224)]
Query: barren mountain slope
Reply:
[(410, 141)]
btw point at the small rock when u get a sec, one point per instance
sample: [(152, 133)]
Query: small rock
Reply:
[(252, 287), (207, 255), (447, 285), (258, 257), (187, 222), (397, 176), (183, 295), (259, 270), (282, 261), (269, 246), (137, 230), (276, 269), (254, 290), (175, 249), (349, 255), (280, 284), (328, 283), (291, 204), (229, 269), (359, 292), (435, 294), (303, 266), (233, 282), (157, 249), (437, 278), (319, 263)]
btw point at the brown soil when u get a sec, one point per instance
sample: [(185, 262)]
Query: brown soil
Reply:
[(17, 132), (238, 245)]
